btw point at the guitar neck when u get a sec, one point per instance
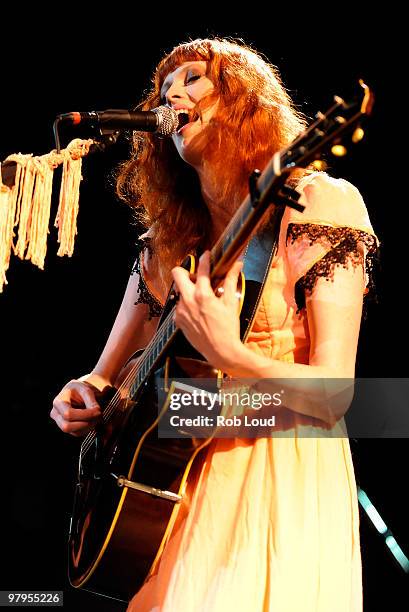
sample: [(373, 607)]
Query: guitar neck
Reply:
[(156, 348), (241, 227)]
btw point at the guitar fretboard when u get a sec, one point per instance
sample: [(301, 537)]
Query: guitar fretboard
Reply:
[(153, 351)]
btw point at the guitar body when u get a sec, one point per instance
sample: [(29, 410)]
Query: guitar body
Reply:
[(117, 531), (121, 520)]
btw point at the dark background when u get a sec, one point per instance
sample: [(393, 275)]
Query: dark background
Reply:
[(54, 323)]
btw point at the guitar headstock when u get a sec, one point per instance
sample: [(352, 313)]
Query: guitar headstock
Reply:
[(332, 131)]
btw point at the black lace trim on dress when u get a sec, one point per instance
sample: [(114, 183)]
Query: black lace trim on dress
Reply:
[(345, 242), (145, 295)]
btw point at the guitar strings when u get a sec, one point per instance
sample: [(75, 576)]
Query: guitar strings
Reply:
[(159, 335), (133, 373), (149, 350), (117, 399)]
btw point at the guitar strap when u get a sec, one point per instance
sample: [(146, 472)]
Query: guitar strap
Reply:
[(256, 265)]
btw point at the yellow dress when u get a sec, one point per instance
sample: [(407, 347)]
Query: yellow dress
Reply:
[(272, 524)]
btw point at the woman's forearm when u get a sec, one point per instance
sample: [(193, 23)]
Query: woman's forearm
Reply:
[(319, 391)]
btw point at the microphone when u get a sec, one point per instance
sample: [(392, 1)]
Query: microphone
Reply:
[(162, 120)]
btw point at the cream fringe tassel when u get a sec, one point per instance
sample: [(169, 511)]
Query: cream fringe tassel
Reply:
[(28, 203)]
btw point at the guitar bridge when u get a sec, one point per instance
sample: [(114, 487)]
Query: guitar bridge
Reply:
[(138, 486)]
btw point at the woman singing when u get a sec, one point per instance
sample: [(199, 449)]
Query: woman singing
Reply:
[(268, 523)]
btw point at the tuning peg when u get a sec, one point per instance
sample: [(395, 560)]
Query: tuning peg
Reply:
[(338, 150), (358, 135), (287, 196), (319, 164), (289, 192)]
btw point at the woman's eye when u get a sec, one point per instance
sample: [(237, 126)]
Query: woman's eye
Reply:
[(194, 77)]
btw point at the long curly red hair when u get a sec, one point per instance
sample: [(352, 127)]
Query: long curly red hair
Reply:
[(254, 119)]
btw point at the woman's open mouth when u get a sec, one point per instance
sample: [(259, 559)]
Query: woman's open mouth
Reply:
[(186, 117)]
